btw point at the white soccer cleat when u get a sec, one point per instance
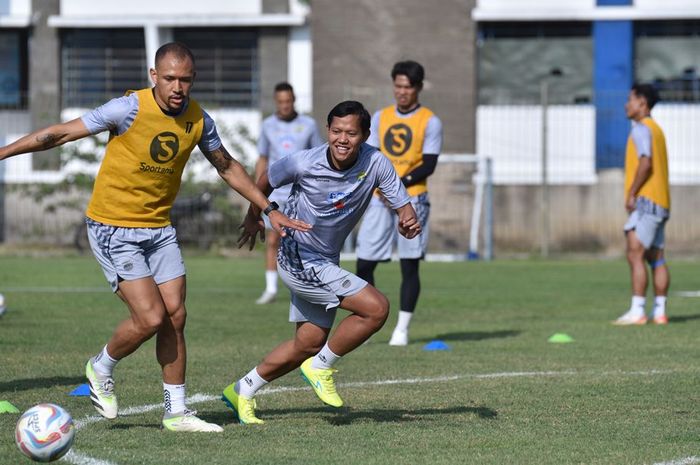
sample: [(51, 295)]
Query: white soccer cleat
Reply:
[(2, 305), (399, 338), (188, 422), (266, 298), (631, 318), (101, 393)]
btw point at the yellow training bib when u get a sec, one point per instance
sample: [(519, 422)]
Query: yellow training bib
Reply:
[(656, 187), (142, 168), (401, 141)]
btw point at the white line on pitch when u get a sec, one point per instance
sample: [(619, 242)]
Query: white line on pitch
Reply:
[(687, 293), (78, 458), (686, 461)]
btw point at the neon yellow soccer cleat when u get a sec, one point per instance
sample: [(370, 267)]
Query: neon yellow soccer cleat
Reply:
[(243, 407), (322, 382)]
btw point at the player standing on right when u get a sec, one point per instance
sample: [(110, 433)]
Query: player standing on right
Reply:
[(410, 136), (648, 201)]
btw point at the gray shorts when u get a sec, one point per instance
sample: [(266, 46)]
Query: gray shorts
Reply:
[(316, 294), (379, 231), (283, 205), (648, 227), (126, 254)]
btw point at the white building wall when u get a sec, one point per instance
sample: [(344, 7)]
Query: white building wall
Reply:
[(680, 125), (15, 13), (299, 74), (140, 8), (512, 137), (582, 10), (15, 7), (664, 4), (497, 5)]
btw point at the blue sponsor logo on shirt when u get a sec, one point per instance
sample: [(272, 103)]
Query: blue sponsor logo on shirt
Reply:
[(339, 201)]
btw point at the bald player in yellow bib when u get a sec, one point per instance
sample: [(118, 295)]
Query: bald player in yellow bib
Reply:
[(410, 136), (152, 133)]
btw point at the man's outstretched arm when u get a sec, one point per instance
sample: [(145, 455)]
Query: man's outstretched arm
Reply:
[(46, 138)]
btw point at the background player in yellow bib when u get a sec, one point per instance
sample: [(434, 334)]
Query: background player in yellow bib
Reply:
[(648, 201), (410, 136), (152, 133)]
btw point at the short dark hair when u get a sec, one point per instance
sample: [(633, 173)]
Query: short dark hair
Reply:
[(351, 107), (284, 87), (649, 92), (411, 69), (178, 49)]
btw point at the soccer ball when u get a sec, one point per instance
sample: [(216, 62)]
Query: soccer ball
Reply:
[(45, 432)]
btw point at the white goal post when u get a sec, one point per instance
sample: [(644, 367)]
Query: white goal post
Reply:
[(483, 200)]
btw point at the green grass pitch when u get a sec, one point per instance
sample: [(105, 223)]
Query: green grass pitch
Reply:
[(501, 394)]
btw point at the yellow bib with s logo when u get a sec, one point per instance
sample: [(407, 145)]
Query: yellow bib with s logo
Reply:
[(142, 168), (401, 141), (656, 187)]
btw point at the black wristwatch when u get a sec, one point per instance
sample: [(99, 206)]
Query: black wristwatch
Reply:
[(270, 208)]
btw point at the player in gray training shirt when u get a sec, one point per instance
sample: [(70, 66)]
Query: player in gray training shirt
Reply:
[(331, 187), (284, 133)]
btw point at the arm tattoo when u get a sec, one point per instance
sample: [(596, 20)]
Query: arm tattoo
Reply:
[(220, 158), (47, 140)]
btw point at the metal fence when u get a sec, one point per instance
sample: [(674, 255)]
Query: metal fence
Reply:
[(579, 209)]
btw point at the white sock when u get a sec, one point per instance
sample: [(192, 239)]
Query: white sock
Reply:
[(325, 358), (271, 281), (404, 320), (249, 384), (104, 364), (659, 305), (174, 398), (638, 304)]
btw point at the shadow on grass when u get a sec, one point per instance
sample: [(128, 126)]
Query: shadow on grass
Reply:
[(226, 416), (683, 318), (471, 336), (337, 417), (40, 383), (349, 416), (132, 424)]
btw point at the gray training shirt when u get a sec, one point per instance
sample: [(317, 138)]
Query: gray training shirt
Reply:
[(333, 201), (280, 138)]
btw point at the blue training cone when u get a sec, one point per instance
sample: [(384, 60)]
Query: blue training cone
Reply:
[(436, 345), (81, 391)]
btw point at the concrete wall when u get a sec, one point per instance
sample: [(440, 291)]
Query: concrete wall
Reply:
[(273, 64), (585, 219), (356, 44), (44, 72)]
